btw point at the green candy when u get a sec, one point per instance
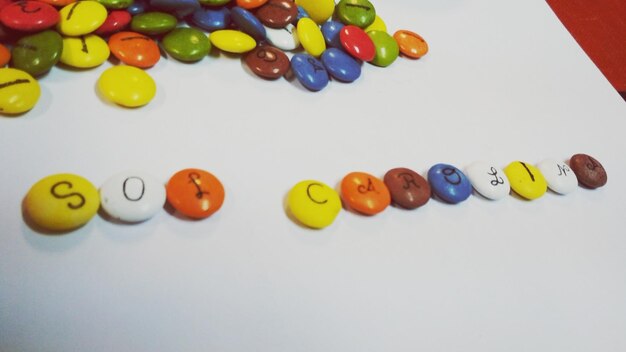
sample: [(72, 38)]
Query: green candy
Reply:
[(387, 49), (360, 13), (153, 23), (116, 4), (37, 53), (187, 44), (213, 2)]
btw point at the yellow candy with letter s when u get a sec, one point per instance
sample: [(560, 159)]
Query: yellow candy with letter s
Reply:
[(62, 202), (314, 204)]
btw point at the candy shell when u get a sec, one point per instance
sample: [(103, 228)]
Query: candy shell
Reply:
[(250, 4), (318, 10), (29, 16), (408, 189), (179, 8), (84, 51), (357, 43), (488, 179), (411, 44), (387, 49), (360, 13), (19, 91), (61, 202), (283, 38), (132, 196), (247, 22), (314, 203), (377, 25), (449, 183), (81, 17), (127, 86), (153, 23), (115, 4), (214, 2), (134, 49), (277, 13), (232, 41), (365, 193), (311, 37), (115, 22), (186, 44), (195, 193), (331, 30), (37, 53), (210, 19), (526, 180), (5, 55), (340, 65), (267, 62), (309, 71), (588, 170)]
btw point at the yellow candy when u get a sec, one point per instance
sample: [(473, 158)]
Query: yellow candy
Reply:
[(19, 91), (377, 25), (81, 17), (62, 202), (84, 52), (232, 41), (127, 86), (526, 180), (319, 10), (311, 37), (314, 204)]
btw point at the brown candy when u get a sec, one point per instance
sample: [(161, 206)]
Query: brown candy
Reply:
[(267, 62), (277, 13), (408, 189), (588, 170)]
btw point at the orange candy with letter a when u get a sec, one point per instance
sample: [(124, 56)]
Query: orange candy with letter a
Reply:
[(365, 193), (195, 193)]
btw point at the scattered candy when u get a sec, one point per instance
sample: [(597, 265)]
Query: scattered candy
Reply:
[(314, 203), (195, 193), (588, 170), (62, 202), (411, 44), (365, 193), (19, 91), (449, 183), (127, 86), (526, 180), (132, 196), (408, 189)]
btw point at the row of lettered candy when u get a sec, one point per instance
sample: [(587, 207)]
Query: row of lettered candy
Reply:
[(335, 40), (63, 202)]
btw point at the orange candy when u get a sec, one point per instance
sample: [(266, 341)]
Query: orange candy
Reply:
[(250, 4), (365, 193), (411, 44), (5, 55), (195, 193), (134, 49)]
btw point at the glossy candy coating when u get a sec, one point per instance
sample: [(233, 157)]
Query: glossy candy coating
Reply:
[(411, 44), (29, 16), (5, 55), (449, 183), (309, 71), (126, 86), (115, 4), (214, 2), (84, 51), (58, 3), (267, 62), (232, 41), (186, 44), (488, 179), (588, 170), (377, 25), (195, 193), (81, 17), (340, 65), (331, 30), (116, 21), (283, 38), (407, 188), (365, 193), (560, 178), (526, 180), (250, 4), (211, 19), (62, 202), (19, 91), (247, 22), (357, 43), (37, 53), (132, 196), (134, 49), (277, 13), (179, 8), (387, 49), (318, 10), (314, 203), (310, 36), (360, 13), (153, 23)]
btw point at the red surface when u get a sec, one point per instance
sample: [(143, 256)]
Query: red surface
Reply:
[(599, 27)]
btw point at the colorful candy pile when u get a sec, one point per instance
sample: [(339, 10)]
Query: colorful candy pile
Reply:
[(63, 202), (325, 40)]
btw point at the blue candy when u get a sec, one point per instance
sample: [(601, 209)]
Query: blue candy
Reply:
[(309, 71), (179, 8), (137, 7), (248, 22), (449, 183), (340, 65), (211, 19), (301, 14), (330, 31)]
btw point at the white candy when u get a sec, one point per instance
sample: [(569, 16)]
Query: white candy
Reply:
[(132, 196), (488, 180), (561, 179), (283, 38)]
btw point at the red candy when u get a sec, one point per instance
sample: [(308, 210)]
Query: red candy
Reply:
[(357, 43), (115, 22), (29, 16)]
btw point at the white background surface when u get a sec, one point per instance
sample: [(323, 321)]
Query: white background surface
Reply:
[(503, 81)]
